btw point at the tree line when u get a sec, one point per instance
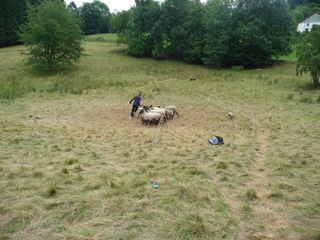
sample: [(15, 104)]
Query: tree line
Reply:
[(95, 18), (220, 33), (245, 33), (12, 14)]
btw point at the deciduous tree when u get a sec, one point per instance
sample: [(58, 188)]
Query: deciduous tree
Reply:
[(12, 14), (52, 35), (72, 6), (219, 31), (308, 55), (119, 22), (194, 28), (248, 33), (142, 20), (172, 35), (95, 17)]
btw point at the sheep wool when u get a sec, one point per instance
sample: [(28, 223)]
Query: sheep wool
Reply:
[(231, 115)]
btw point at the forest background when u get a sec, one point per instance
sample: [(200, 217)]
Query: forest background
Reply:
[(221, 33)]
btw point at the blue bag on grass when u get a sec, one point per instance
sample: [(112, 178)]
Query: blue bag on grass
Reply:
[(216, 140)]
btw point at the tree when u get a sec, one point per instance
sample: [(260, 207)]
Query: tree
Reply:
[(52, 35), (248, 33), (72, 6), (119, 22), (264, 30), (169, 27), (34, 2), (12, 14), (141, 22), (294, 3), (2, 24), (220, 33), (218, 39), (303, 11), (195, 32), (308, 55), (95, 17)]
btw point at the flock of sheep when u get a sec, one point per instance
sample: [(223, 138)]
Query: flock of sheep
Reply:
[(150, 114)]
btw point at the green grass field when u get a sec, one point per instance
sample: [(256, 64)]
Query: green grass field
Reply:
[(73, 165)]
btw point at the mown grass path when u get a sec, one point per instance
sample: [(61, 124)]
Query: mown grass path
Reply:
[(267, 216)]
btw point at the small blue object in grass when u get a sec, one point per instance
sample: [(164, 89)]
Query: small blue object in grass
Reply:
[(216, 140)]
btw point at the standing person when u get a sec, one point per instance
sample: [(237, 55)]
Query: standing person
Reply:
[(136, 103)]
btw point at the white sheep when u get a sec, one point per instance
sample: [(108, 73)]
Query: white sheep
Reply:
[(148, 117), (231, 115), (167, 112), (158, 110), (174, 109)]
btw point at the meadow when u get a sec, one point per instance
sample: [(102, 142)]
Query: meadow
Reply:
[(74, 166)]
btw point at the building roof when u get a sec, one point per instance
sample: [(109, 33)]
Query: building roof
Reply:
[(309, 16)]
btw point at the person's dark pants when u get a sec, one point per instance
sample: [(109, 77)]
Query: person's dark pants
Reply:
[(134, 109)]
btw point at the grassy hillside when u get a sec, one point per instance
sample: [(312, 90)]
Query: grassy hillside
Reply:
[(73, 165)]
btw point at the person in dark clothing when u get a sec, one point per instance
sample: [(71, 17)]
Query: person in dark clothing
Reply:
[(136, 103)]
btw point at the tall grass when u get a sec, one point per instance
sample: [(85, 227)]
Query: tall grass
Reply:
[(74, 166)]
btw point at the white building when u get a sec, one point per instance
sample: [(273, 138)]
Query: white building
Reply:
[(308, 22)]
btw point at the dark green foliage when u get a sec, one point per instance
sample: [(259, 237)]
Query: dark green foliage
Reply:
[(308, 55), (142, 20), (12, 14), (253, 32), (119, 22), (35, 2), (303, 11), (294, 3), (194, 31), (52, 35), (166, 31), (72, 6), (221, 33), (263, 31), (218, 38), (95, 17), (173, 36)]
